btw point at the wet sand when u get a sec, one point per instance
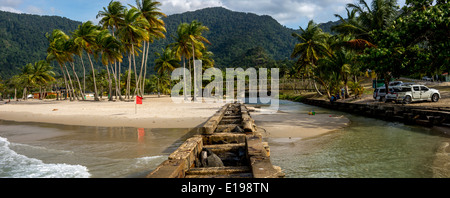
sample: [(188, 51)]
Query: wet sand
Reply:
[(298, 126)]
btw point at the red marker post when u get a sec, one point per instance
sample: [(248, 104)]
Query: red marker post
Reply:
[(138, 101)]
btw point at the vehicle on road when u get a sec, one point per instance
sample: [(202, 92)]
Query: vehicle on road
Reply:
[(427, 78), (412, 93), (379, 93)]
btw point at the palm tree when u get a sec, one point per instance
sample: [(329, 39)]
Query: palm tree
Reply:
[(378, 16), (85, 37), (196, 30), (112, 18), (150, 11), (131, 32), (181, 48), (166, 62), (73, 49), (362, 19), (312, 46), (42, 74), (341, 63), (109, 48), (56, 51)]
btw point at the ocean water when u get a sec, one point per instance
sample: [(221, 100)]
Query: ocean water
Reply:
[(14, 165), (36, 150)]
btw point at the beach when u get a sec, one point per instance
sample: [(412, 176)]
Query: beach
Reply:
[(161, 112), (153, 113)]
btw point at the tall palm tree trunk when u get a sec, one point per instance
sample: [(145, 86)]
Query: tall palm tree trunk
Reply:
[(72, 91), (95, 83), (129, 77), (84, 79), (195, 73), (78, 80), (135, 72), (65, 80), (145, 68), (184, 78), (110, 97), (140, 73)]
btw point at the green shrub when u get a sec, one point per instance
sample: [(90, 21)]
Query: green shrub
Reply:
[(50, 97)]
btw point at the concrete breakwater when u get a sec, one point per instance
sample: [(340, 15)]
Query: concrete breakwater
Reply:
[(435, 117), (229, 147)]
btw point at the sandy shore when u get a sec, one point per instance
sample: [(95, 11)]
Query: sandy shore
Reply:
[(153, 113), (298, 126), (161, 113)]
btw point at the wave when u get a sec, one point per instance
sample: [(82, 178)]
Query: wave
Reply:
[(14, 165)]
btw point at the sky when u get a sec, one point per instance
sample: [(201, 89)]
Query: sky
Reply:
[(290, 13)]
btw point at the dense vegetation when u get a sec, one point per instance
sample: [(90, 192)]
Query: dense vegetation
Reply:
[(232, 34), (378, 37), (22, 39)]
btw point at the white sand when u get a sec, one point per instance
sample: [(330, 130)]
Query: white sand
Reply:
[(153, 113)]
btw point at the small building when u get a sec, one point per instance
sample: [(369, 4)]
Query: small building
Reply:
[(38, 95), (446, 77)]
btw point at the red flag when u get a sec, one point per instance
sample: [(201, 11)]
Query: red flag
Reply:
[(139, 100)]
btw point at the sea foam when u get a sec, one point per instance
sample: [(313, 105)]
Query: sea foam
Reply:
[(14, 165)]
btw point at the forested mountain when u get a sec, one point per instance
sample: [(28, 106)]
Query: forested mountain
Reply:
[(23, 41), (232, 34)]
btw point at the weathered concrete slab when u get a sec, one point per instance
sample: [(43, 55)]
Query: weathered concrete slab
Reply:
[(169, 169), (230, 135), (188, 151)]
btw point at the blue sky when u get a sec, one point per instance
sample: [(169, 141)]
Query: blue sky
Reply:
[(291, 13)]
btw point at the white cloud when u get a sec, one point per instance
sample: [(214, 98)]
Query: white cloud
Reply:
[(10, 5), (10, 9), (35, 10), (287, 12), (180, 6)]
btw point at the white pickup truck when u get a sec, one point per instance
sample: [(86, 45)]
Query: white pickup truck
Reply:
[(412, 93)]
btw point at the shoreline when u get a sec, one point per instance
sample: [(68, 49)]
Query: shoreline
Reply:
[(286, 126), (163, 113), (153, 113)]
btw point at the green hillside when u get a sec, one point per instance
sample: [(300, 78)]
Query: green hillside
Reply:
[(22, 39), (232, 34)]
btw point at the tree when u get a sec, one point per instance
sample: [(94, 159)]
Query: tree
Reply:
[(131, 32), (85, 37), (310, 49), (156, 29), (181, 48), (196, 39), (371, 20), (112, 18), (57, 52), (38, 74), (166, 62), (109, 48)]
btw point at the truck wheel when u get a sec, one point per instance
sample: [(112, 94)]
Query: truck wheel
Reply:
[(435, 98), (407, 100)]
